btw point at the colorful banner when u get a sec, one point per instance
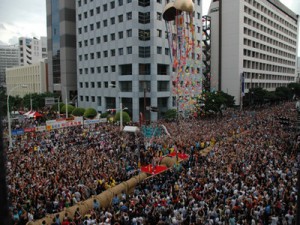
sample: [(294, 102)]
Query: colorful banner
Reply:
[(17, 132), (94, 121)]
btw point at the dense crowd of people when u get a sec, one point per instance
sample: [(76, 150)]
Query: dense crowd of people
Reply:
[(249, 176)]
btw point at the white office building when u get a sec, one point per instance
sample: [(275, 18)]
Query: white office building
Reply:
[(256, 38), (9, 57), (34, 76), (32, 50), (123, 54)]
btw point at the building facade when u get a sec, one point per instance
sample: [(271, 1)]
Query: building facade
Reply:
[(9, 57), (123, 55), (61, 42), (253, 39), (32, 50), (34, 76)]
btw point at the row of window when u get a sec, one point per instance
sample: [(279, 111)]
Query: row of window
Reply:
[(126, 69), (271, 23), (260, 76), (264, 85), (269, 49), (258, 55), (270, 13), (112, 3), (249, 64), (268, 39), (144, 52)]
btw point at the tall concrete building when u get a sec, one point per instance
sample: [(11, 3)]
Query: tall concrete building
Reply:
[(61, 35), (32, 50), (9, 57), (123, 55), (253, 38)]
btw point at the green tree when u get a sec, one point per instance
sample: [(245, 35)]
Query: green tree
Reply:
[(70, 109), (3, 101), (295, 88), (171, 114), (284, 93), (78, 112), (104, 115), (38, 100), (90, 113), (126, 117)]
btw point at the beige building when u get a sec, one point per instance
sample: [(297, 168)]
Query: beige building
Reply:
[(35, 76)]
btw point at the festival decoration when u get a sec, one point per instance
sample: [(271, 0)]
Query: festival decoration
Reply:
[(185, 53)]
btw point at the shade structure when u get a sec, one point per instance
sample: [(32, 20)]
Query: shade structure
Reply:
[(35, 115), (169, 12)]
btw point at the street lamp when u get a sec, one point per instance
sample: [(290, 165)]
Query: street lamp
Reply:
[(8, 114), (121, 109)]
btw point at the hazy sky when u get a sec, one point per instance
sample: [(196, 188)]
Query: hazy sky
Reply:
[(28, 18)]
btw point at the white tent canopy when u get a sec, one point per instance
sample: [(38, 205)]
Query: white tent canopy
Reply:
[(131, 129)]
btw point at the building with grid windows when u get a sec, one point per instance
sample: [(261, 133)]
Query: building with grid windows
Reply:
[(61, 42), (32, 50), (34, 76), (123, 55), (254, 39), (9, 57)]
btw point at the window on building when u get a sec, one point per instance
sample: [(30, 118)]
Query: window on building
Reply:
[(126, 69), (80, 57), (144, 35), (112, 20), (105, 7), (112, 37), (159, 32), (79, 3), (144, 69), (79, 30), (81, 98), (85, 15), (86, 71), (105, 54), (79, 44), (129, 16), (93, 98), (79, 16), (112, 52), (167, 51), (86, 56), (129, 50), (144, 3), (120, 34), (92, 84), (162, 69), (144, 52), (81, 85), (86, 84), (158, 16), (144, 18), (99, 84), (92, 41), (120, 2), (99, 69), (113, 68), (99, 102), (106, 84), (129, 33), (92, 55), (92, 69), (87, 98), (120, 51), (91, 12), (162, 86), (112, 5), (105, 23), (98, 25), (120, 18), (80, 71), (105, 39), (105, 69), (85, 42), (85, 29), (91, 26), (159, 50), (98, 39), (98, 10)]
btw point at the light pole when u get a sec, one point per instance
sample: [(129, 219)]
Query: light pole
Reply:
[(8, 114), (121, 107)]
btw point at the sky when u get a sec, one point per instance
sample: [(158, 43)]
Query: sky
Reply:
[(19, 18)]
